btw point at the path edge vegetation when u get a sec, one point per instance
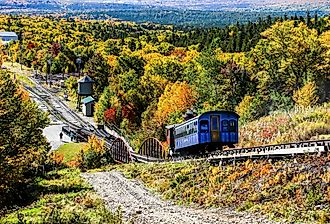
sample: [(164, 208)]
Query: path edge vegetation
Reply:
[(290, 190)]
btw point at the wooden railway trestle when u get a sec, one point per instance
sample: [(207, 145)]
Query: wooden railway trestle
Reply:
[(153, 148), (120, 151)]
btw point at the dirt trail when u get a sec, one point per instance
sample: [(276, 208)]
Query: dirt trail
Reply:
[(141, 206)]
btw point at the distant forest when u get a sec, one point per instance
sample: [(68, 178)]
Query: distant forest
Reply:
[(196, 18), (237, 37)]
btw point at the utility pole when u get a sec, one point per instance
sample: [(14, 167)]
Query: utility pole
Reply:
[(20, 50), (49, 62), (78, 61), (20, 56)]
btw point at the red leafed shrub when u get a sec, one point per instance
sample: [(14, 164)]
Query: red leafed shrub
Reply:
[(179, 53), (127, 112), (56, 159), (55, 49), (110, 115), (31, 45)]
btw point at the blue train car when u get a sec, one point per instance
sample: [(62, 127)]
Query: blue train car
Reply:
[(207, 132)]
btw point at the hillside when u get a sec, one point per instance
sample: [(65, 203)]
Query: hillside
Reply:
[(291, 126), (295, 190)]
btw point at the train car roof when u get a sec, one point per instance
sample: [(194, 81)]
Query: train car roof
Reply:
[(197, 117)]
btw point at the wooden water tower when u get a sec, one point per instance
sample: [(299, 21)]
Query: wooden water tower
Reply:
[(85, 88)]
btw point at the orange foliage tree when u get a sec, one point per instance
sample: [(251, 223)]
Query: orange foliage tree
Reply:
[(177, 97)]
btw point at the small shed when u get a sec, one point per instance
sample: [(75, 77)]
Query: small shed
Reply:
[(88, 106)]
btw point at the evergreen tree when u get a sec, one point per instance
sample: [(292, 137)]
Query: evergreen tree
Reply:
[(23, 147)]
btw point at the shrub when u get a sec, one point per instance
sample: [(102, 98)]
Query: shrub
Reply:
[(55, 160), (94, 155)]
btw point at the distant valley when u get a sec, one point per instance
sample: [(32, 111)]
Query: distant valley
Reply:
[(179, 12)]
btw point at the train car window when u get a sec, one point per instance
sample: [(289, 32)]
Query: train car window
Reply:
[(225, 125), (204, 126), (232, 126)]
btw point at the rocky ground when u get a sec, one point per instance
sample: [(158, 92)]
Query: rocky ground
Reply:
[(141, 206)]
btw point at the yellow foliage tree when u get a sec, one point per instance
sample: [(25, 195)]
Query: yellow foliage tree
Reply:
[(325, 40), (2, 54), (152, 86), (177, 97), (306, 96), (243, 107), (95, 144)]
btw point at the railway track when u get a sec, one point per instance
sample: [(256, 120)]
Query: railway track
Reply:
[(123, 153), (62, 112), (75, 125)]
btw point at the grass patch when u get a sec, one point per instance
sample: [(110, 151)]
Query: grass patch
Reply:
[(24, 79), (21, 75), (70, 150), (64, 198), (292, 190)]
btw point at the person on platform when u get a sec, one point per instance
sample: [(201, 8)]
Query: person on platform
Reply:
[(61, 136)]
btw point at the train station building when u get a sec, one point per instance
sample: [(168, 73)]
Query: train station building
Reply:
[(6, 37)]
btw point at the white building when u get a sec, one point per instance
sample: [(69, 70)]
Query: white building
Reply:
[(6, 37)]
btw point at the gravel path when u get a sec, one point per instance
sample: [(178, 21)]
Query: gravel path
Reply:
[(141, 206)]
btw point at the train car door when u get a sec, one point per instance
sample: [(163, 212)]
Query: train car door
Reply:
[(215, 128)]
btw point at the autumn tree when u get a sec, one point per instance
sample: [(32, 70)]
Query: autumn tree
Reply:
[(110, 115), (103, 104), (176, 97), (23, 147), (98, 70), (306, 96), (152, 87), (2, 54), (167, 68), (251, 108), (287, 57)]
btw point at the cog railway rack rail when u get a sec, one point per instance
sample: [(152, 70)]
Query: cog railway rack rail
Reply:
[(152, 150)]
